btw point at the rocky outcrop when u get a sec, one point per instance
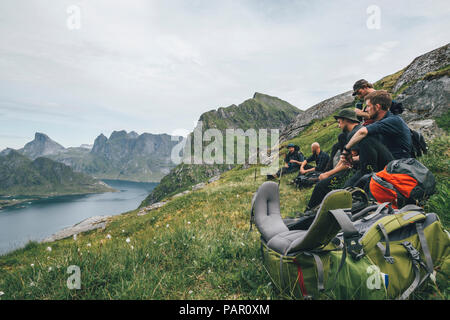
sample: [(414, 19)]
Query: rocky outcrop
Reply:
[(92, 223), (428, 128), (425, 99), (41, 146), (428, 62), (318, 111)]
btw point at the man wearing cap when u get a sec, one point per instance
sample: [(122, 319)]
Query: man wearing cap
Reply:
[(349, 124), (361, 88), (292, 161)]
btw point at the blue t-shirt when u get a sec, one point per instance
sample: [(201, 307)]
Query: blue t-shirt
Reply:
[(394, 134)]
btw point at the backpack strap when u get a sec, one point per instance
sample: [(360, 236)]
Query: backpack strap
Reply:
[(387, 251), (425, 248), (351, 240), (417, 263)]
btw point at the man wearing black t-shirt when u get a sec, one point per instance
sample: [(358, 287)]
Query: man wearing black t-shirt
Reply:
[(320, 157)]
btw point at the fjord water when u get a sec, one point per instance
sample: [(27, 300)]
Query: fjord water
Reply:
[(42, 218)]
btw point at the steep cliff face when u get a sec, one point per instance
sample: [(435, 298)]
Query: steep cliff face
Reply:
[(42, 145), (426, 99)]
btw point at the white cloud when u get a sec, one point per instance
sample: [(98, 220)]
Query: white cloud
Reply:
[(380, 51)]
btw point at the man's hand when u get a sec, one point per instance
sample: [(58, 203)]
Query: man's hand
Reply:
[(323, 176), (346, 156), (302, 171)]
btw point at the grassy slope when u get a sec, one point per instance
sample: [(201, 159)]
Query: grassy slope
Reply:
[(195, 247)]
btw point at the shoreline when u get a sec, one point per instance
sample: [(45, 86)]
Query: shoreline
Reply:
[(5, 203)]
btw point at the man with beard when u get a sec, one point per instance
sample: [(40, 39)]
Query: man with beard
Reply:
[(391, 129)]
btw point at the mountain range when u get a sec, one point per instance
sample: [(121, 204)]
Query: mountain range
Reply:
[(122, 156)]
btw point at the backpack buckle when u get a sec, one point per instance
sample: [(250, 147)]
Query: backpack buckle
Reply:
[(413, 253), (354, 248)]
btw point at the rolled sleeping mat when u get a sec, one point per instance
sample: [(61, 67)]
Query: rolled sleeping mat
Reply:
[(278, 237)]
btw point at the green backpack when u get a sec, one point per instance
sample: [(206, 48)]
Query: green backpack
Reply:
[(377, 253)]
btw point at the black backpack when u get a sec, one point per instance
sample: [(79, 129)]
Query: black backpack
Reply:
[(396, 107), (307, 180), (419, 146)]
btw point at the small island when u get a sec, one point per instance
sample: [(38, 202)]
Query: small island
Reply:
[(24, 180)]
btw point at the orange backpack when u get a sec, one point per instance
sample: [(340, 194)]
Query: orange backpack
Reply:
[(401, 182)]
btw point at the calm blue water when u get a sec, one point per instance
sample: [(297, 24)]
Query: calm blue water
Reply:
[(40, 219)]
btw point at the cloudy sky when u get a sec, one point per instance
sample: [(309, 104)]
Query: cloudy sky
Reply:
[(75, 69)]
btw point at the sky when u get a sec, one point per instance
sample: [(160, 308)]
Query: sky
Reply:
[(76, 69)]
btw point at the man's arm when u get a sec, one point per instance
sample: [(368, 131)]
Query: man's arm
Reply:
[(339, 167), (302, 168), (357, 137), (361, 113)]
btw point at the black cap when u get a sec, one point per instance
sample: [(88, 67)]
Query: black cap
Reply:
[(360, 84)]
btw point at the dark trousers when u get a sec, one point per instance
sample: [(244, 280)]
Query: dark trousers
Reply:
[(323, 187), (289, 169)]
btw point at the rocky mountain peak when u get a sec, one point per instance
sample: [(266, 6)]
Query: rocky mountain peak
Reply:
[(42, 145)]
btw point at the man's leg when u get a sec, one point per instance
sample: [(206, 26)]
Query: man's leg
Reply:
[(320, 191)]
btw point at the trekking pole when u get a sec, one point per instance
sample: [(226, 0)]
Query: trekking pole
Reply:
[(279, 181)]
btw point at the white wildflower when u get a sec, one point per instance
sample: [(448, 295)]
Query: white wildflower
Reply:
[(32, 284), (123, 231), (1, 293), (75, 237), (50, 269), (108, 236), (128, 240), (190, 291), (132, 248), (89, 244), (32, 265), (167, 225), (189, 222), (49, 249)]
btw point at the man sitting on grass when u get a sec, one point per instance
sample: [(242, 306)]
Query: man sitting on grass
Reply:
[(320, 157), (292, 161)]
